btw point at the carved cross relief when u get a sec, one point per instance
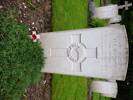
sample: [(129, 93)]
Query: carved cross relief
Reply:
[(76, 52)]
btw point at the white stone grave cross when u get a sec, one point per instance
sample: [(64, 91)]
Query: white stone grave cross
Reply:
[(96, 52), (126, 5)]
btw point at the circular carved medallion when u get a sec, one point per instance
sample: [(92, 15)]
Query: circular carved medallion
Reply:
[(76, 52)]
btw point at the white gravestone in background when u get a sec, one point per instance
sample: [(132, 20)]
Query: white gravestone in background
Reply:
[(95, 52), (110, 12)]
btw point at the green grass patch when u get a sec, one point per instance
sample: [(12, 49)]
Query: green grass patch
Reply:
[(97, 96), (69, 14)]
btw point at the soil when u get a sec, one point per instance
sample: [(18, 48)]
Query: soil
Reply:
[(37, 15), (40, 91)]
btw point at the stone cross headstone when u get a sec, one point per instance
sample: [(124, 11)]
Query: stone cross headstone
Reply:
[(96, 52), (126, 5)]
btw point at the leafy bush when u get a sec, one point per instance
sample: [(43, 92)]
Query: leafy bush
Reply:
[(95, 22), (21, 60)]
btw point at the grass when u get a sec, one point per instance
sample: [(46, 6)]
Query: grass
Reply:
[(69, 14), (97, 96)]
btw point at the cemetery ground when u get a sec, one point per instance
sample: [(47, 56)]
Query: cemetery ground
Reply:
[(69, 15), (65, 15)]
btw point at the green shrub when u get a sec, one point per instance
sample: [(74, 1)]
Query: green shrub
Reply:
[(95, 22), (21, 59)]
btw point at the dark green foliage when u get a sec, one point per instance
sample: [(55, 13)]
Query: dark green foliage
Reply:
[(114, 1), (98, 22), (128, 21), (21, 60)]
